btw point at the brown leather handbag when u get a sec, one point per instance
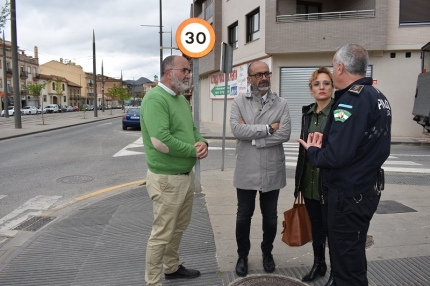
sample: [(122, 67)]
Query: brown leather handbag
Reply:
[(297, 226)]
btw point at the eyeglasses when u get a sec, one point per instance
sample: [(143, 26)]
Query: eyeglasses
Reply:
[(259, 75), (185, 71), (317, 83)]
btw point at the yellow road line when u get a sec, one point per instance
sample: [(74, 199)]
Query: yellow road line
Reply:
[(49, 212), (108, 190)]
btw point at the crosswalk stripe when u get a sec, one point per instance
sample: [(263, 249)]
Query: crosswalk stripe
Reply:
[(291, 151)]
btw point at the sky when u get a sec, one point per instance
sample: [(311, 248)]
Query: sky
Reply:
[(64, 29)]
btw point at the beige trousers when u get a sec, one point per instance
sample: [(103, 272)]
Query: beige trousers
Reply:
[(172, 199)]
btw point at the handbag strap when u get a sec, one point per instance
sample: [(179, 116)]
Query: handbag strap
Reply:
[(299, 199)]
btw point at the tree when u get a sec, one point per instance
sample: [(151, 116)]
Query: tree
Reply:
[(59, 89), (118, 92), (4, 13), (35, 90)]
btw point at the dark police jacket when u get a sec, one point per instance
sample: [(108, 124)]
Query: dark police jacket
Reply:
[(356, 139)]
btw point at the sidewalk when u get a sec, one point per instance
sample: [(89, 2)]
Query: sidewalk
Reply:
[(102, 241)]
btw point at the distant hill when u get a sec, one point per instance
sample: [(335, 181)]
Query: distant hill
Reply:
[(140, 81)]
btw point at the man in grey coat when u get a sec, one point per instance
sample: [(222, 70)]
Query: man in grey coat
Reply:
[(260, 121)]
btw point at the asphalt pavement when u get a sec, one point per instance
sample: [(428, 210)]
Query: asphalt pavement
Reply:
[(101, 240)]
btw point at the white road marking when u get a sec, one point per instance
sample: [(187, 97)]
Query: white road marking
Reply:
[(125, 152), (105, 124), (291, 151), (2, 196), (33, 207)]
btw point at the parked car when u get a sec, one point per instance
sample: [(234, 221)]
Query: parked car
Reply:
[(11, 111), (87, 107), (28, 110), (66, 108), (52, 108), (75, 108), (131, 118), (39, 109)]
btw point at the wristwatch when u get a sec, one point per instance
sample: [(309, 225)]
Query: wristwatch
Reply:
[(271, 130)]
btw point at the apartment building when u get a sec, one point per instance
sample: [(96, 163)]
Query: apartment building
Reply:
[(296, 37), (57, 90), (28, 74), (72, 73)]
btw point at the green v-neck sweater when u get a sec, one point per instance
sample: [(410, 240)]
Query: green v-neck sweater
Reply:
[(167, 123)]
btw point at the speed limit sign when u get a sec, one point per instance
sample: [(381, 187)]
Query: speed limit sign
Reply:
[(195, 37)]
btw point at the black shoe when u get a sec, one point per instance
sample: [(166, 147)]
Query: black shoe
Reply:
[(330, 281), (320, 267), (268, 263), (183, 272), (242, 267)]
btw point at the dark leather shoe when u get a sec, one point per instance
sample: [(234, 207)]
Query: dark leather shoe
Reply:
[(183, 272), (268, 263), (318, 269), (242, 267)]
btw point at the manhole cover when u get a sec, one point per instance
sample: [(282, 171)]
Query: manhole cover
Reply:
[(77, 179), (267, 280)]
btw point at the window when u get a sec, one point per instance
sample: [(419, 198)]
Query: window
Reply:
[(304, 7), (232, 36), (53, 86), (29, 70), (209, 11), (63, 87), (414, 12), (34, 71), (253, 26), (44, 98), (1, 82), (1, 66), (64, 99)]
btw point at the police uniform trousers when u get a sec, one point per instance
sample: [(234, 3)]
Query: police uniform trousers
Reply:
[(172, 199), (348, 221)]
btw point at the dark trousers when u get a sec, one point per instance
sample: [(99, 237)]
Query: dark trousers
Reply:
[(348, 221), (318, 221), (245, 210)]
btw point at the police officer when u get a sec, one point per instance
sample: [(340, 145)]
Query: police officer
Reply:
[(355, 144)]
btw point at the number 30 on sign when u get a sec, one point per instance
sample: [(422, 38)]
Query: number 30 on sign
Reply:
[(195, 37)]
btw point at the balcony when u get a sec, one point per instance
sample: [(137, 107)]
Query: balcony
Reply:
[(343, 15), (23, 75), (9, 72), (288, 32), (36, 76)]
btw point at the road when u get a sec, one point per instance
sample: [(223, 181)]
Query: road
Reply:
[(49, 169)]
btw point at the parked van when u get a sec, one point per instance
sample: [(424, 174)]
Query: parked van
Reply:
[(52, 108)]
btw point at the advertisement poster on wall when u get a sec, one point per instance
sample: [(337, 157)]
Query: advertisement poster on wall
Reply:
[(237, 82)]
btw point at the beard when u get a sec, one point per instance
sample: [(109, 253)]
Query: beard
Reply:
[(263, 86), (179, 85)]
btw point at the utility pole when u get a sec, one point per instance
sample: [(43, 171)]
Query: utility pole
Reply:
[(103, 90), (16, 95), (161, 39), (5, 87), (94, 75)]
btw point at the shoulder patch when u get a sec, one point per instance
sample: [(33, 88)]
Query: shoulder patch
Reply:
[(356, 88), (341, 115)]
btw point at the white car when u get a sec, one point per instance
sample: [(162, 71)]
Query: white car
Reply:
[(11, 111), (52, 108), (39, 110), (28, 110)]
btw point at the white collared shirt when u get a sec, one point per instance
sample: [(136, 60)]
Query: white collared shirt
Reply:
[(171, 92)]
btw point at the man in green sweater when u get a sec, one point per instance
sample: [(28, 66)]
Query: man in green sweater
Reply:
[(172, 146)]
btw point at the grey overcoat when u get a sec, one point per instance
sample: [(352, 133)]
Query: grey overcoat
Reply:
[(261, 166)]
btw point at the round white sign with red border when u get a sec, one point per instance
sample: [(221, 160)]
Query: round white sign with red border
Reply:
[(195, 37)]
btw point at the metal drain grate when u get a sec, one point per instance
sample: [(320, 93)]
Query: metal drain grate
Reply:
[(34, 223)]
